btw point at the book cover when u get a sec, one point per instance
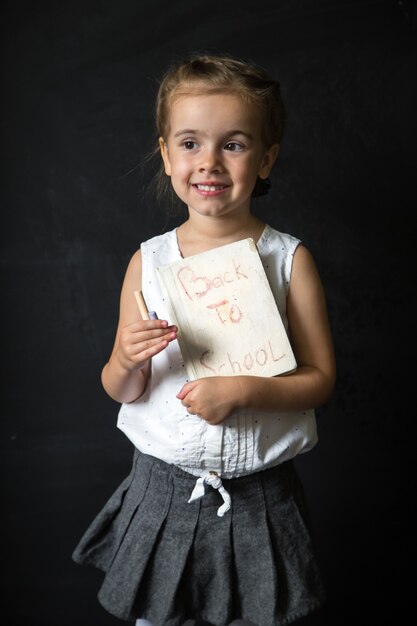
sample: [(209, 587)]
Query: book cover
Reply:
[(227, 317)]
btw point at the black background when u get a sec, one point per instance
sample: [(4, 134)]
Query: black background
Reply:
[(78, 84)]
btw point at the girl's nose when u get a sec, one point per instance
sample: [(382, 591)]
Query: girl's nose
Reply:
[(210, 162)]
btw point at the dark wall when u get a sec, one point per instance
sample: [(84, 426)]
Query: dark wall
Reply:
[(79, 79)]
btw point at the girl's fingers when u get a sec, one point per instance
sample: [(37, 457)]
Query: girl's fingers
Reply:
[(142, 325), (144, 348), (129, 335), (141, 346), (142, 340), (135, 348), (168, 333), (153, 350), (185, 389)]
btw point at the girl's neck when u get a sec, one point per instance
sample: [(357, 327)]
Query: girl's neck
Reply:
[(199, 234)]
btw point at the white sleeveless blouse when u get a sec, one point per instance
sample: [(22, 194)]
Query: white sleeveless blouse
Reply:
[(247, 441)]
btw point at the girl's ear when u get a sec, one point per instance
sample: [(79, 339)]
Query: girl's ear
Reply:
[(268, 160), (165, 157)]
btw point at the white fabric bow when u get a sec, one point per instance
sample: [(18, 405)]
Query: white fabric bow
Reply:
[(212, 479)]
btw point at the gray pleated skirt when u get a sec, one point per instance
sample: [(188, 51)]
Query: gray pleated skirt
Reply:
[(168, 561)]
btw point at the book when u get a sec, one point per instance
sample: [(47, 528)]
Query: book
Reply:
[(227, 318)]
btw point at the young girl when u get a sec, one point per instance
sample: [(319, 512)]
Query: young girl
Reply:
[(211, 524)]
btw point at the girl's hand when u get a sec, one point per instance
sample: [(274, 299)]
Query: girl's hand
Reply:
[(140, 341), (213, 398)]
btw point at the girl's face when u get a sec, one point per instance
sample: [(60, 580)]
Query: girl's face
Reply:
[(214, 153)]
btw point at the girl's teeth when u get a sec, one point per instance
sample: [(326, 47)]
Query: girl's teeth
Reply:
[(210, 187)]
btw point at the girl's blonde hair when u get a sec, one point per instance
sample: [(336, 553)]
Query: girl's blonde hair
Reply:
[(207, 73)]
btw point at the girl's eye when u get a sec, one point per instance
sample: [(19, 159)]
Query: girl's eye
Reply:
[(189, 145), (234, 146)]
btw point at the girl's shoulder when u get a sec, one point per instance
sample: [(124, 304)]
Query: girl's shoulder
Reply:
[(152, 249), (161, 249), (160, 241), (274, 240)]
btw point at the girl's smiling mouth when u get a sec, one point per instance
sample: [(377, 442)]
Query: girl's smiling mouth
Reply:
[(210, 188)]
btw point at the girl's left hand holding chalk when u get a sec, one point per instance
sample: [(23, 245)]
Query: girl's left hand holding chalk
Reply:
[(141, 340), (125, 374)]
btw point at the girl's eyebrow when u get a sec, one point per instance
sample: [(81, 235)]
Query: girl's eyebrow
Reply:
[(186, 131), (190, 131), (240, 132)]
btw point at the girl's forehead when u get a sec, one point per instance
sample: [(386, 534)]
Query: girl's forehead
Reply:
[(201, 93), (213, 106)]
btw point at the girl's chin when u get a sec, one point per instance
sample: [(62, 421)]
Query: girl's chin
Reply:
[(210, 210)]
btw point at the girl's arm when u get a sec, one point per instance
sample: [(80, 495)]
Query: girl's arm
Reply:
[(215, 398), (137, 341)]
